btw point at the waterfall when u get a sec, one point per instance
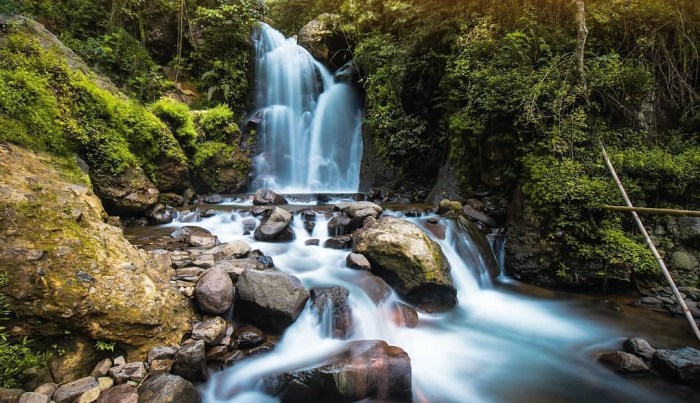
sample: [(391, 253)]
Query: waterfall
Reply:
[(310, 133)]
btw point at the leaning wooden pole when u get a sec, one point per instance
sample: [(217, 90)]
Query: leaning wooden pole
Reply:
[(662, 265), (667, 211)]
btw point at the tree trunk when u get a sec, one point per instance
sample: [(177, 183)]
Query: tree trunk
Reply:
[(582, 37)]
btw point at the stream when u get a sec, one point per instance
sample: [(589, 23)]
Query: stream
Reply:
[(502, 342)]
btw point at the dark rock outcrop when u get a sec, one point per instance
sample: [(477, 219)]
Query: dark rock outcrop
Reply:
[(190, 362), (681, 365), (332, 304), (324, 39), (162, 388), (266, 197)]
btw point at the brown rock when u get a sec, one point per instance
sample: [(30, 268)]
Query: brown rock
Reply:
[(120, 394), (623, 363)]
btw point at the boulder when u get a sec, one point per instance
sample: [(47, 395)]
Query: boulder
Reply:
[(211, 331), (129, 193), (161, 353), (681, 365), (105, 382), (195, 236), (233, 249), (409, 261), (234, 268), (162, 388), (133, 371), (340, 225), (623, 363), (102, 368), (214, 199), (370, 370), (160, 214), (68, 392), (97, 283), (477, 215), (324, 39), (214, 292), (331, 304), (158, 366), (273, 225), (338, 242), (190, 362), (77, 361), (359, 211), (270, 299), (47, 389), (639, 347), (120, 394), (266, 197), (89, 397), (10, 395), (347, 73), (357, 261)]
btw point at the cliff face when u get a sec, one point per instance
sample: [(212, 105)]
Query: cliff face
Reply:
[(69, 271)]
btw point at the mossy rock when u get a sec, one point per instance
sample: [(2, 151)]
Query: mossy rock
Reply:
[(408, 260)]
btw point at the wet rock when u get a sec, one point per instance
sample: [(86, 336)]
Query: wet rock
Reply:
[(211, 331), (271, 300), (404, 315), (120, 394), (216, 354), (639, 347), (366, 370), (214, 199), (651, 301), (208, 213), (249, 225), (161, 353), (171, 199), (127, 194), (159, 366), (234, 249), (477, 215), (248, 336), (347, 73), (133, 371), (160, 214), (234, 268), (102, 368), (266, 197), (623, 363), (273, 224), (161, 388), (339, 242), (683, 261), (190, 362), (408, 260), (312, 242), (31, 397), (681, 365), (484, 255), (357, 261), (214, 292), (332, 303), (68, 392), (359, 212), (340, 225)]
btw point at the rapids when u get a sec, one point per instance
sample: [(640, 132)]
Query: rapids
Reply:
[(494, 346)]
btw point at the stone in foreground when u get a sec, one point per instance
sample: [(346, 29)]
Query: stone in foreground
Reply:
[(368, 369), (190, 362), (70, 391), (214, 292), (623, 363), (121, 394), (682, 364)]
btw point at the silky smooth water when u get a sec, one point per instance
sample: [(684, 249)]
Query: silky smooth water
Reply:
[(494, 346), (309, 137)]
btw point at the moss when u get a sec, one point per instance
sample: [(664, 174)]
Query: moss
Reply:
[(49, 106), (179, 119), (218, 124)]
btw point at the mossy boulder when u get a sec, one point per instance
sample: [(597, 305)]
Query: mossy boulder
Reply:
[(408, 260), (126, 194), (70, 272)]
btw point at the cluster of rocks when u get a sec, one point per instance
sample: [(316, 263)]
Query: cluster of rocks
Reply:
[(639, 357), (116, 381), (664, 299)]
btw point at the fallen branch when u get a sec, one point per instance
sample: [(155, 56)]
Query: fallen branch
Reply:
[(649, 210)]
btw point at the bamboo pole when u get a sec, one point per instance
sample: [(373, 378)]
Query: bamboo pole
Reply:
[(660, 261), (688, 213)]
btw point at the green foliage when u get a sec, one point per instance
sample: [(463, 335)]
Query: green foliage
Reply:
[(218, 124), (178, 118), (50, 106), (105, 345), (16, 355), (208, 151), (124, 60)]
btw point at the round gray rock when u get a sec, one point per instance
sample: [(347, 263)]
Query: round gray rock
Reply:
[(214, 292)]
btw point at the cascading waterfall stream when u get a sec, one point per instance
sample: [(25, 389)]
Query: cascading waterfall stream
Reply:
[(493, 346), (309, 135)]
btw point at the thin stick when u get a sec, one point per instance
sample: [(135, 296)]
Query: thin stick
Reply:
[(660, 261), (688, 213)]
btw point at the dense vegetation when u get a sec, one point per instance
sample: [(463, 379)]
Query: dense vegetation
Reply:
[(495, 87)]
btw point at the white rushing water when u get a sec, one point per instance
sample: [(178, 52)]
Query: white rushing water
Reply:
[(494, 346), (309, 136)]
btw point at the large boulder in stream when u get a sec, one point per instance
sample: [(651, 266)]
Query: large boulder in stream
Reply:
[(331, 304), (270, 299), (409, 261), (681, 365), (266, 197), (214, 292), (275, 226), (130, 193), (367, 369), (70, 271)]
